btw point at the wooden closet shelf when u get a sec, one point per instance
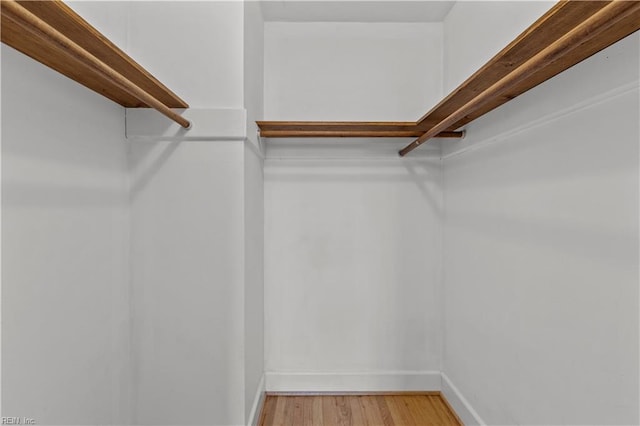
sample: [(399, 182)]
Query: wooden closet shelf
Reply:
[(530, 42), (344, 129), (568, 33), (70, 25)]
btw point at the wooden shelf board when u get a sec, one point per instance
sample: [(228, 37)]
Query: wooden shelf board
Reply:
[(70, 24), (621, 30), (551, 26), (343, 129), (559, 20)]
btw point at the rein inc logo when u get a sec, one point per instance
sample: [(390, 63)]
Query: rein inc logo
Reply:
[(17, 421)]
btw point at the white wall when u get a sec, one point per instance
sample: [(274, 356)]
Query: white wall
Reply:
[(541, 244), (194, 243), (352, 235), (194, 47), (352, 267), (187, 282), (253, 211), (351, 71), (65, 312), (189, 227), (254, 279)]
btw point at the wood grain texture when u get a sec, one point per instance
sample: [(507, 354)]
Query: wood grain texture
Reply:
[(267, 414), (344, 129), (569, 33), (357, 410), (550, 27), (59, 16), (587, 48)]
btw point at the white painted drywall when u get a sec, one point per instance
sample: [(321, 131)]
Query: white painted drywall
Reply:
[(541, 244), (253, 211), (193, 47), (355, 11), (189, 225), (351, 71), (352, 232), (187, 281), (352, 265), (65, 311), (474, 31), (253, 276)]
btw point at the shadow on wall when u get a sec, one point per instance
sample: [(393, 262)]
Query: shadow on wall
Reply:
[(423, 172), (563, 191), (146, 157)]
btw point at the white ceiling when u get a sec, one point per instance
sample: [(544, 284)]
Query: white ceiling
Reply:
[(355, 10)]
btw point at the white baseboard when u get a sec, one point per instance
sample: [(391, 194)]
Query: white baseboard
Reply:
[(460, 405), (258, 402), (385, 381)]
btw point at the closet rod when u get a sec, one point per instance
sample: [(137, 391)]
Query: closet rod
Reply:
[(29, 22), (597, 23)]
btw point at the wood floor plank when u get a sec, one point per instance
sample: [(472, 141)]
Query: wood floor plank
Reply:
[(318, 418), (297, 416), (357, 410), (387, 418), (443, 409), (307, 411), (343, 408), (268, 411), (419, 404), (371, 410), (288, 411), (329, 410), (451, 411), (433, 410), (408, 414), (399, 411), (279, 417)]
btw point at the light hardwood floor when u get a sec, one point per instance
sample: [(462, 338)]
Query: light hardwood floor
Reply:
[(356, 410)]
